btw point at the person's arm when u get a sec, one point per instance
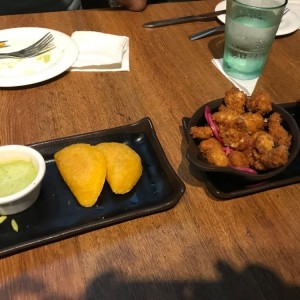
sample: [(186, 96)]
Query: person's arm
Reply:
[(134, 5)]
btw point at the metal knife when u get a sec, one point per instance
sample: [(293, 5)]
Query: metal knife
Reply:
[(186, 19), (207, 32)]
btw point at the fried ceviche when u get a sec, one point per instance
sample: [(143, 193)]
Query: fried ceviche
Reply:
[(244, 134)]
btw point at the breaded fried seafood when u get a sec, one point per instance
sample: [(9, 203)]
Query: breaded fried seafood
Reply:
[(202, 133), (244, 133), (235, 100), (260, 103), (280, 135), (213, 151)]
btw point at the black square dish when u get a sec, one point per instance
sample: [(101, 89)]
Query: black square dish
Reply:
[(57, 214), (229, 186), (195, 157)]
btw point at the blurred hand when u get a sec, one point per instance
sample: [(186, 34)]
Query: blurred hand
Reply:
[(134, 5)]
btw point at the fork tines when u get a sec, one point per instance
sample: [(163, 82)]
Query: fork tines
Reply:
[(42, 45)]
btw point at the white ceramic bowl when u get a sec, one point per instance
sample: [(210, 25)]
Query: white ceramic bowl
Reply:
[(23, 199)]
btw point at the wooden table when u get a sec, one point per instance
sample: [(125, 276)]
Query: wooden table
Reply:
[(203, 248)]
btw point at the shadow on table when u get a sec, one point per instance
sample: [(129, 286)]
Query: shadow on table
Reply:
[(254, 282), (27, 287), (216, 46)]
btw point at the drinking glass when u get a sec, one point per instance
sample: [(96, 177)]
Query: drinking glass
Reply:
[(250, 30)]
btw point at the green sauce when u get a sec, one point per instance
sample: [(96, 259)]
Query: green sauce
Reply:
[(15, 176)]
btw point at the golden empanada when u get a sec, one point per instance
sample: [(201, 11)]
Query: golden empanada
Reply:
[(124, 166), (83, 168)]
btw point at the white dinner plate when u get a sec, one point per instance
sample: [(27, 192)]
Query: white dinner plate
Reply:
[(289, 22), (26, 71)]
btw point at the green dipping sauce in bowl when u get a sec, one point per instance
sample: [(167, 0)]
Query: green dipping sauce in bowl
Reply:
[(15, 175), (22, 169)]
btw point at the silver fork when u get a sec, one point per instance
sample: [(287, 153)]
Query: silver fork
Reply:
[(41, 46)]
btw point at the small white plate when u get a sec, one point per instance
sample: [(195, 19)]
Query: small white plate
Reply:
[(289, 22), (20, 72)]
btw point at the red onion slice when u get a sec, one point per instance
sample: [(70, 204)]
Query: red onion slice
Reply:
[(243, 169), (211, 123), (227, 150)]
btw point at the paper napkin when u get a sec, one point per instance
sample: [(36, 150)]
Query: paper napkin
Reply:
[(101, 52), (247, 86), (294, 6)]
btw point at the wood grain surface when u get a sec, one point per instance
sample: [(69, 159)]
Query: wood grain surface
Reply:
[(203, 248)]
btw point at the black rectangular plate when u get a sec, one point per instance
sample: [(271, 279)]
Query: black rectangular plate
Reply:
[(226, 188), (57, 215)]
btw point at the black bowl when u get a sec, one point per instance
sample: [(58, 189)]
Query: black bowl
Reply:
[(197, 160)]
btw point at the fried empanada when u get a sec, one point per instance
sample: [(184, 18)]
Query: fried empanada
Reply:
[(124, 166), (83, 168)]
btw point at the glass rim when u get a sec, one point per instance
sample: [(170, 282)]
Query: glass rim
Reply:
[(262, 7)]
